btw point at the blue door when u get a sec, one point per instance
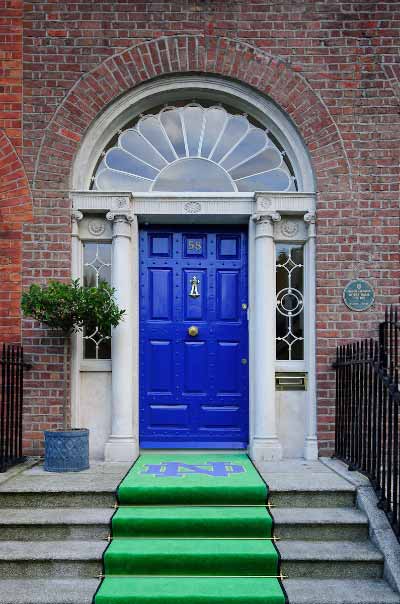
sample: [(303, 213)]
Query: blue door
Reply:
[(193, 338)]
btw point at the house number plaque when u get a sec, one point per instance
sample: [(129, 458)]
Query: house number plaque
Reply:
[(358, 295)]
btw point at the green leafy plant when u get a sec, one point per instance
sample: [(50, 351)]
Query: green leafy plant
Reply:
[(70, 307)]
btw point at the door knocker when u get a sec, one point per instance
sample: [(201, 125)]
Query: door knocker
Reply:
[(194, 292)]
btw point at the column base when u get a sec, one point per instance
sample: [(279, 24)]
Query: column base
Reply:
[(121, 449), (311, 448), (265, 449)]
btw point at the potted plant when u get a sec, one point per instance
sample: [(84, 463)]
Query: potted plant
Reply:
[(68, 308)]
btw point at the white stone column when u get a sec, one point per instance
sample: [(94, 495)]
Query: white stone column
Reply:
[(265, 445), (311, 442), (76, 264), (121, 445)]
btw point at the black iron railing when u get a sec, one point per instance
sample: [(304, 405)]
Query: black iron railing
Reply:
[(367, 412), (11, 402)]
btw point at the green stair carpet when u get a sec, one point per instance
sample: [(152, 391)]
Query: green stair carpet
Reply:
[(192, 529)]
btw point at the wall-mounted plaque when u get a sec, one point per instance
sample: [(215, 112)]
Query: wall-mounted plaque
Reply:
[(358, 295)]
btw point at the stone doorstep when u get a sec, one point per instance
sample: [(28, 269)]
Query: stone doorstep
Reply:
[(83, 558), (300, 591), (293, 482), (86, 523), (380, 531)]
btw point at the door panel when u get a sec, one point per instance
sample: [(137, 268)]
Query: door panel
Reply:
[(161, 294), (160, 367), (193, 389), (196, 368), (228, 290), (228, 356), (195, 308)]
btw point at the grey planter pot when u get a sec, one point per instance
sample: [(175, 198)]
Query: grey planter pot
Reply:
[(66, 451)]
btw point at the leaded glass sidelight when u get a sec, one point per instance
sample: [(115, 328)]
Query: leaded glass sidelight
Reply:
[(289, 302), (96, 268), (194, 149)]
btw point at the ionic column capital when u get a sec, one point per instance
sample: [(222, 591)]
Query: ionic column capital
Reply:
[(120, 216), (121, 220), (265, 223), (310, 219), (76, 217)]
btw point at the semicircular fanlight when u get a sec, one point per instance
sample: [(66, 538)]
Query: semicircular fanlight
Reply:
[(194, 149)]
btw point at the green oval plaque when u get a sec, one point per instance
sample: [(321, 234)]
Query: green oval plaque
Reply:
[(358, 295)]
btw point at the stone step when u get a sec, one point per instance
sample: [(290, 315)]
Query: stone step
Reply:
[(320, 524), (295, 483), (300, 591), (335, 591), (313, 497), (36, 524), (73, 558), (31, 524), (56, 498), (61, 498), (330, 559), (48, 591), (51, 559)]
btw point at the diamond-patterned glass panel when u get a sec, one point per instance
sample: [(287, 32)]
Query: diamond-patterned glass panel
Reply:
[(289, 302), (96, 268)]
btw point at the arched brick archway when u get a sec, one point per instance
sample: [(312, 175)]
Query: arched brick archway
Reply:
[(15, 209), (198, 54), (118, 74)]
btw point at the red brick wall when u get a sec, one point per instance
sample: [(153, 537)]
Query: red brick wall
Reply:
[(333, 66), (15, 196)]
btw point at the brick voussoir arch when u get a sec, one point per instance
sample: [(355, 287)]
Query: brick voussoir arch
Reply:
[(180, 54), (15, 210)]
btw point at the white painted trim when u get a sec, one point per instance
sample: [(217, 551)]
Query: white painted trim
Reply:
[(190, 205), (89, 365), (224, 208), (221, 209), (265, 444), (123, 442), (76, 339), (311, 441), (186, 87), (291, 365)]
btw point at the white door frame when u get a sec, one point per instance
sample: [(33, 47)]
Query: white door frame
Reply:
[(263, 213)]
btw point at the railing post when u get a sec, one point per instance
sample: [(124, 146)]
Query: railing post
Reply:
[(2, 408), (367, 412), (11, 405)]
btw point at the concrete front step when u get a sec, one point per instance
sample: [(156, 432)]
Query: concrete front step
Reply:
[(304, 498), (331, 559), (51, 559), (296, 483), (48, 591), (320, 524), (335, 591), (36, 524), (75, 558), (313, 497), (31, 524), (57, 499), (300, 591)]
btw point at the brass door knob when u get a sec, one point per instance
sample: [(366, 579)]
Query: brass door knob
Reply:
[(193, 330)]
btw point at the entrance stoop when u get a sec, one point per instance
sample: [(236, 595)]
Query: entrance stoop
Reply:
[(54, 528)]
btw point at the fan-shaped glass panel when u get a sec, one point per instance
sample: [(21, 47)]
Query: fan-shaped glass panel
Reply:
[(194, 149)]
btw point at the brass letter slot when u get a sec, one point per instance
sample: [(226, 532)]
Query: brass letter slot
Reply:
[(290, 380)]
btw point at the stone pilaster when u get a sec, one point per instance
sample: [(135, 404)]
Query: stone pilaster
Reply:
[(311, 442), (122, 445), (265, 445)]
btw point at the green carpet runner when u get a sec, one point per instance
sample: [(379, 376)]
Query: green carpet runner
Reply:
[(192, 529)]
